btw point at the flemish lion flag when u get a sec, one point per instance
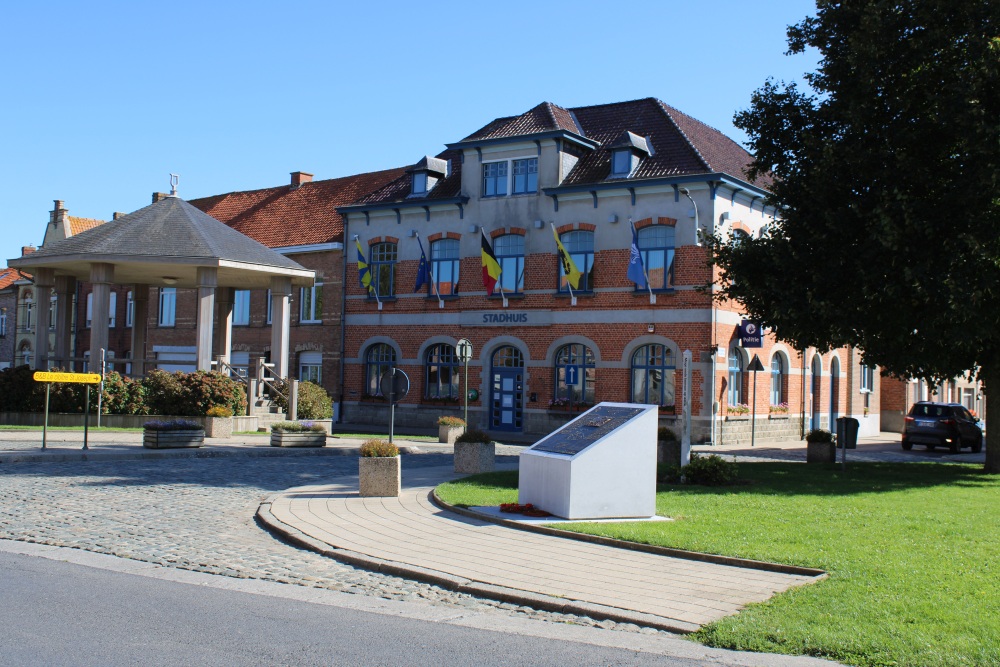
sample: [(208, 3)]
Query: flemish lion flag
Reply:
[(364, 274), (491, 267), (569, 268)]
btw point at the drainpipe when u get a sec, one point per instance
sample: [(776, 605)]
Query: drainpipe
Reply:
[(343, 326), (802, 397)]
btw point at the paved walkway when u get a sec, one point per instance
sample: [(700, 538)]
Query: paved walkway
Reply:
[(411, 535)]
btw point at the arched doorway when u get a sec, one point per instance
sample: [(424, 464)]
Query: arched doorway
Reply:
[(817, 379), (507, 389), (834, 393)]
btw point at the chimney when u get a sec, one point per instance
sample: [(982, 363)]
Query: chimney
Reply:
[(159, 196), (117, 214), (27, 250), (54, 215), (300, 177)]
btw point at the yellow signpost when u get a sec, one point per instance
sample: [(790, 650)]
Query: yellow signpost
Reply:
[(48, 377)]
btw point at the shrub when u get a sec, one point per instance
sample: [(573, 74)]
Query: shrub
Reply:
[(163, 392), (173, 425), (297, 427), (668, 473), (474, 435), (219, 411), (123, 395), (819, 435), (19, 392), (448, 420), (377, 448), (314, 402), (664, 434), (711, 470), (193, 393)]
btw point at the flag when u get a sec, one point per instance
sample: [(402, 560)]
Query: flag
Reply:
[(491, 267), (364, 274), (569, 268), (636, 272), (423, 270)]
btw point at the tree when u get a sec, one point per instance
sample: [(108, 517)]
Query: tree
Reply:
[(886, 179)]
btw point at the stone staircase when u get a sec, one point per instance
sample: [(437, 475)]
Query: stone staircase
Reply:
[(267, 412)]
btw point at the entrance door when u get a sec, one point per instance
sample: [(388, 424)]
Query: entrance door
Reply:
[(507, 390), (817, 380), (834, 393)]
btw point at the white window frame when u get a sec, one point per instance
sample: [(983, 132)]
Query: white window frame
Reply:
[(167, 316), (311, 367), (90, 310), (112, 309), (52, 311), (418, 178), (313, 316), (129, 309), (867, 379), (241, 307), (268, 320), (509, 177), (3, 322)]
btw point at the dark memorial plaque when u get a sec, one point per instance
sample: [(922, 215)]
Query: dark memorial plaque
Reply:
[(586, 430)]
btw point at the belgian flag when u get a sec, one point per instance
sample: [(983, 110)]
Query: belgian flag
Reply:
[(491, 267)]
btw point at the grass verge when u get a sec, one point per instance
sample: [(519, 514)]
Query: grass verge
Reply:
[(911, 549)]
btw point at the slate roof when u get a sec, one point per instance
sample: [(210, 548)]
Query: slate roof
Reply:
[(680, 145), (290, 216)]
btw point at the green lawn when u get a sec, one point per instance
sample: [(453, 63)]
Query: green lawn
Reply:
[(911, 549)]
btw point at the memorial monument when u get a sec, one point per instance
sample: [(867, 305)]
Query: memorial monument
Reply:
[(601, 465)]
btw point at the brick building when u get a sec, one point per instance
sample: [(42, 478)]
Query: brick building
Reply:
[(898, 395), (8, 315), (543, 350)]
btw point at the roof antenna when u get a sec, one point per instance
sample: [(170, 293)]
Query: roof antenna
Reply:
[(174, 179)]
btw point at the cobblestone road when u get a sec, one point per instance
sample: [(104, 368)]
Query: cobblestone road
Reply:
[(197, 514)]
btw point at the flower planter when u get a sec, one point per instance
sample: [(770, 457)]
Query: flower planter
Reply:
[(379, 476), (219, 427), (449, 433), (475, 457), (298, 438), (173, 439), (821, 452)]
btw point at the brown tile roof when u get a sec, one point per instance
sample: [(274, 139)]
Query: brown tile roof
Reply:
[(286, 216), (9, 276), (545, 117), (77, 225), (399, 189)]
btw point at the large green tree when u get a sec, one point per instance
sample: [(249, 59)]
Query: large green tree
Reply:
[(885, 167)]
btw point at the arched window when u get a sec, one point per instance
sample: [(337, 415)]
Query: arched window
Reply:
[(379, 358), (580, 246), (444, 266), (575, 375), (778, 374), (653, 375), (383, 268), (509, 250), (736, 368), (656, 245), (508, 356), (23, 354), (441, 368)]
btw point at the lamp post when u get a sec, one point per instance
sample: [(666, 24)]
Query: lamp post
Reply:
[(755, 366)]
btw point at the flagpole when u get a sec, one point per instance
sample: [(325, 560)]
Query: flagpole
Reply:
[(652, 297)]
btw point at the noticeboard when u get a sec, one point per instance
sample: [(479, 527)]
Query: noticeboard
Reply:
[(585, 431)]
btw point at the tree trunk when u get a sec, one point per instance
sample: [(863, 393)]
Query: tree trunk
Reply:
[(991, 379)]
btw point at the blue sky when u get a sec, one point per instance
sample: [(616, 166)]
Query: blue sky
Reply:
[(103, 100)]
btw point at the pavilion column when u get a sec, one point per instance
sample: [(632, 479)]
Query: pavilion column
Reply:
[(208, 278), (224, 296), (44, 281), (281, 292), (101, 277), (65, 291), (140, 326)]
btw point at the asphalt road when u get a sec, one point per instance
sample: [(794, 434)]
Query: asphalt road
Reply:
[(59, 613)]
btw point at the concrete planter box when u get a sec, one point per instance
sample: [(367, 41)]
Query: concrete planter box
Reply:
[(379, 476), (821, 452), (475, 457), (298, 439), (172, 439), (219, 427), (448, 434)]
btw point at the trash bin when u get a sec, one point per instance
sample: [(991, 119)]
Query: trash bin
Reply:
[(847, 432)]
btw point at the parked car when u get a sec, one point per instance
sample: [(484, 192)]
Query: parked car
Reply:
[(949, 425)]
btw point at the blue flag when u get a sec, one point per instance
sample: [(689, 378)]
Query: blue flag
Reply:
[(423, 270), (636, 273)]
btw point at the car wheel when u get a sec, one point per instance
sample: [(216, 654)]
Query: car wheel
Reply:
[(930, 448), (907, 445), (977, 446)]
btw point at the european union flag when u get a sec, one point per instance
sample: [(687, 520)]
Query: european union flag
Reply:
[(423, 270), (636, 272)]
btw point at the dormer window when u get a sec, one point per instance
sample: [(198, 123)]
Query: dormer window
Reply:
[(419, 183), (621, 162), (626, 152), (425, 174)]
